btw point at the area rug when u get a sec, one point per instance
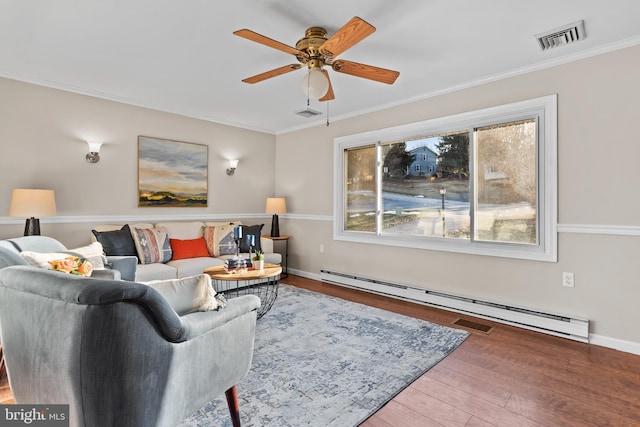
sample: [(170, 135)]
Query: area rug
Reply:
[(324, 361)]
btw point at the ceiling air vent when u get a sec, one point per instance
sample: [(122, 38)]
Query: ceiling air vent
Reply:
[(566, 34), (307, 112)]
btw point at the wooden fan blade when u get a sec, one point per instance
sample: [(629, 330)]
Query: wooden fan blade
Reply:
[(351, 33), (370, 72), (259, 38), (267, 75), (329, 96)]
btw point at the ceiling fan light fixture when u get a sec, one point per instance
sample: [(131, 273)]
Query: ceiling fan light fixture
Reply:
[(315, 84)]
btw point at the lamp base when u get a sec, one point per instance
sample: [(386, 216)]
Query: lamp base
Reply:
[(32, 227), (275, 226)]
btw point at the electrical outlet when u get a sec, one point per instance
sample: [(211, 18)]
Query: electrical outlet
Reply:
[(567, 280), (321, 249)]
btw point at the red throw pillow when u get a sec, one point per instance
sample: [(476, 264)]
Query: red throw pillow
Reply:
[(193, 248)]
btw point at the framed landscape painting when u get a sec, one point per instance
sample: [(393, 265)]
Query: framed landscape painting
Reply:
[(172, 173)]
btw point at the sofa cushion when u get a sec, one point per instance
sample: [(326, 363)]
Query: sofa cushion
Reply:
[(157, 271), (183, 230), (247, 230), (117, 242), (188, 294), (192, 266), (191, 248), (92, 253), (220, 240), (152, 245)]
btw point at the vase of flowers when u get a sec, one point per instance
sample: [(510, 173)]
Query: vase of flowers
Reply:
[(258, 261)]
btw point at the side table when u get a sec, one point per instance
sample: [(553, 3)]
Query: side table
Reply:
[(285, 264)]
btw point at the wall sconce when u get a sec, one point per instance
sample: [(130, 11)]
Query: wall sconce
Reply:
[(30, 203), (93, 156), (233, 164)]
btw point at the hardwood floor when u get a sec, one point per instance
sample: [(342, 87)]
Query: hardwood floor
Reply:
[(510, 377)]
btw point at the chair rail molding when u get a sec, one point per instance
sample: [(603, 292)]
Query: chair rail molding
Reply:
[(607, 229)]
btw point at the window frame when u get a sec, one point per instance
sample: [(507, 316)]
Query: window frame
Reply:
[(543, 108)]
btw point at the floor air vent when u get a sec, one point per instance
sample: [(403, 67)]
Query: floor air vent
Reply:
[(567, 34), (549, 323), (479, 327)]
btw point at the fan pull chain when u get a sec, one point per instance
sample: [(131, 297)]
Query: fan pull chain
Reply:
[(308, 89), (328, 113)]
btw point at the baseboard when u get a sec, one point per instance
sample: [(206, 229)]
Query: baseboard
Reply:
[(614, 343), (600, 340)]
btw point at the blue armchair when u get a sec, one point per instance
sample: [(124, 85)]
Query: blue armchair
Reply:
[(116, 351)]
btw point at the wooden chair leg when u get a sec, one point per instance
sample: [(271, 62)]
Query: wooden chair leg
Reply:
[(234, 407), (2, 367)]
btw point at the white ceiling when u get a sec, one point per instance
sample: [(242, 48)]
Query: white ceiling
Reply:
[(180, 56)]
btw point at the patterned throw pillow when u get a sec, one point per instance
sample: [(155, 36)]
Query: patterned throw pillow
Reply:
[(152, 245), (220, 240)]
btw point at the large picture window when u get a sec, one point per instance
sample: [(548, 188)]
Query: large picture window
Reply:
[(482, 182)]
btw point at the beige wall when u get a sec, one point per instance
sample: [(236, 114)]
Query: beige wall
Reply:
[(42, 134), (598, 152)]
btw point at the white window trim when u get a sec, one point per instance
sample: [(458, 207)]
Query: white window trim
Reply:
[(545, 106)]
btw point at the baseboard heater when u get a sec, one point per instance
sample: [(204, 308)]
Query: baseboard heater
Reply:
[(553, 324)]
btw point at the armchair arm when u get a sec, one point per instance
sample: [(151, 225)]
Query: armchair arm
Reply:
[(106, 274), (127, 266), (199, 323)]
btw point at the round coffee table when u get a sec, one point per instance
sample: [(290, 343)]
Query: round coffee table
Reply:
[(262, 283)]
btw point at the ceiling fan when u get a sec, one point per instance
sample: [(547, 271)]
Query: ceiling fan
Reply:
[(315, 50)]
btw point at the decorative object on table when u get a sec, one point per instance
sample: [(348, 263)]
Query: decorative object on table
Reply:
[(172, 173), (258, 261), (251, 242), (356, 360), (72, 265), (237, 265), (31, 203), (237, 236), (276, 206)]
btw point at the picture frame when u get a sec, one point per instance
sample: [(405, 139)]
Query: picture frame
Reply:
[(172, 173)]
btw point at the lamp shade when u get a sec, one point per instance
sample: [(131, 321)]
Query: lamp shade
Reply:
[(276, 205), (32, 203), (314, 84)]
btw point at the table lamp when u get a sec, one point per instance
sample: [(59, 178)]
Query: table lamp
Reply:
[(276, 206), (32, 203)]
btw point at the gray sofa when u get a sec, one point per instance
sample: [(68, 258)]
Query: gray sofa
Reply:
[(116, 351), (119, 267)]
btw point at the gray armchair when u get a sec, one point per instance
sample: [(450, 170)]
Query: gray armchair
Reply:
[(116, 352), (120, 267)]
